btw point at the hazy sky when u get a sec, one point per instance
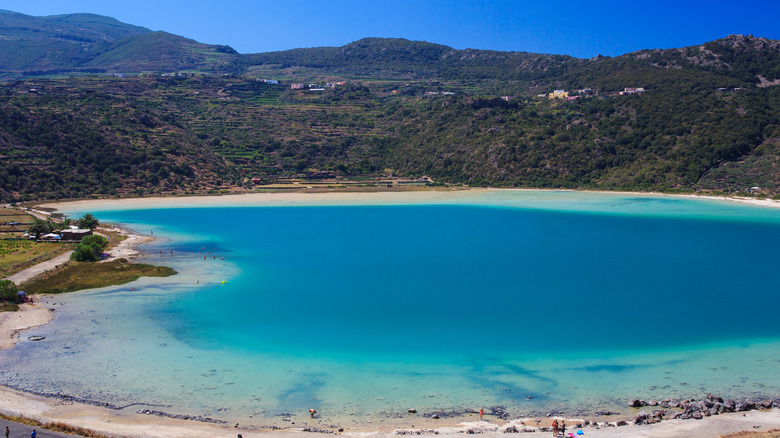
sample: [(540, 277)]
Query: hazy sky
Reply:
[(578, 28)]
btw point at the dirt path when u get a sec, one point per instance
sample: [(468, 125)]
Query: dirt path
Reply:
[(32, 271)]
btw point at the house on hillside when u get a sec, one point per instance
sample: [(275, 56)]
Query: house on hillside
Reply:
[(296, 86), (558, 94), (631, 90)]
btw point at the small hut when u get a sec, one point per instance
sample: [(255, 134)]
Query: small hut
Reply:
[(74, 234)]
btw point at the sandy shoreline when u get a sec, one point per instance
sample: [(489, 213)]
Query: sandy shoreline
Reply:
[(12, 324), (128, 248), (343, 198), (127, 422)]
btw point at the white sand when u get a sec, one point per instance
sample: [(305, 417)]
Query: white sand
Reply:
[(330, 198), (128, 248)]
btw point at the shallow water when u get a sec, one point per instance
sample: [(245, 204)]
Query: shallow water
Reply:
[(578, 301)]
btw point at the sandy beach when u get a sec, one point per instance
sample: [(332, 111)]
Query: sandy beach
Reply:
[(127, 423), (324, 198)]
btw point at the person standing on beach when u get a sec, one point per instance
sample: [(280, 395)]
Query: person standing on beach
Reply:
[(555, 428), (563, 428), (7, 432), (33, 434), (481, 413)]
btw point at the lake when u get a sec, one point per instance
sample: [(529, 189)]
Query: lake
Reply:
[(533, 301)]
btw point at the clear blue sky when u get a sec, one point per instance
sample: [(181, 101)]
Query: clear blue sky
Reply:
[(578, 28)]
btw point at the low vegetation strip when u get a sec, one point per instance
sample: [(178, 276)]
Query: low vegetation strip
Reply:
[(75, 276), (56, 427)]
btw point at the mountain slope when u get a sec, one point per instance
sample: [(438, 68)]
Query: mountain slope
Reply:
[(163, 52), (96, 44), (58, 41), (741, 57), (69, 145), (398, 58)]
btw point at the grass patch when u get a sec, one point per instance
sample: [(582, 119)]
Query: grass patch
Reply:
[(74, 276), (8, 307)]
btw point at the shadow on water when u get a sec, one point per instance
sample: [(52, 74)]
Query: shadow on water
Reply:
[(488, 373), (609, 368), (302, 394)]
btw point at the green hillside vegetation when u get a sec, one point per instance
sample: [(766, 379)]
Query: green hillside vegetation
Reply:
[(402, 59), (620, 143), (161, 52), (81, 137), (88, 44), (84, 137)]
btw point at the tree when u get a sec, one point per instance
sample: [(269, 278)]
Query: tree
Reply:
[(89, 249), (97, 241), (88, 221), (39, 227)]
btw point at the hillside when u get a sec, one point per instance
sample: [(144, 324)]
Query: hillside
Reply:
[(68, 142), (700, 118), (88, 44), (397, 58), (162, 52), (75, 137)]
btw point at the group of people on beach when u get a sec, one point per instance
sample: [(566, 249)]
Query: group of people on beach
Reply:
[(559, 429)]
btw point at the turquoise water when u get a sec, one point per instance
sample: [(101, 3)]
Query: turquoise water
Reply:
[(579, 301)]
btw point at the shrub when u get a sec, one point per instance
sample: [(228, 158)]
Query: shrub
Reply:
[(89, 248), (8, 292)]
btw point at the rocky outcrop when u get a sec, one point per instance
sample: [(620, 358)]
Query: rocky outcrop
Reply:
[(698, 409)]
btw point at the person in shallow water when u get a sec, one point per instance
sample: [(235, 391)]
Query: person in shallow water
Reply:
[(312, 412)]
